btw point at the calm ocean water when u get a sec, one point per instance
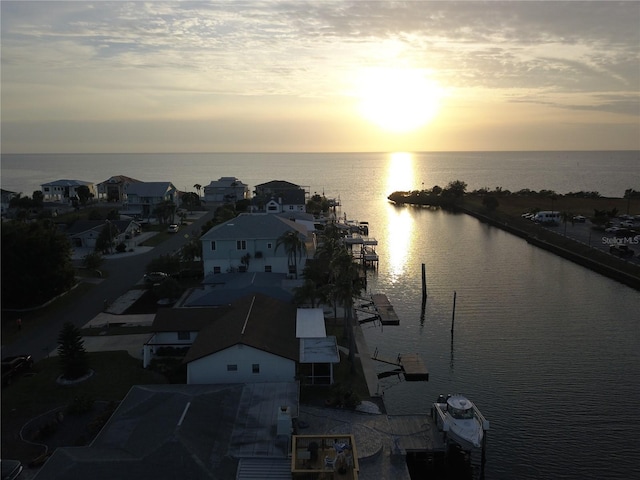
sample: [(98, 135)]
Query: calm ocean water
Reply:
[(547, 349)]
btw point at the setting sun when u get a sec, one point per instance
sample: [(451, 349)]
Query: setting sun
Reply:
[(398, 100)]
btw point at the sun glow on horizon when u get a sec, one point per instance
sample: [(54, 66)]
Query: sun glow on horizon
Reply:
[(398, 100)]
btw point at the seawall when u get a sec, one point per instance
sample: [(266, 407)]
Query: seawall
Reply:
[(600, 262)]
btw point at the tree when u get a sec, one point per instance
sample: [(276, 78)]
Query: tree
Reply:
[(456, 189), (191, 250), (190, 201), (36, 263), (198, 187), (106, 238), (73, 358), (294, 247), (164, 263), (165, 211), (84, 194), (92, 260)]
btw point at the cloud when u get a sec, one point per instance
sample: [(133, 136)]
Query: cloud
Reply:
[(191, 60)]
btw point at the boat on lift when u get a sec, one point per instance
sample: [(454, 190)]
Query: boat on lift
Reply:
[(460, 419)]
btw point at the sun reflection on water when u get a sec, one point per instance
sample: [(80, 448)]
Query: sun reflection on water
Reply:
[(398, 241), (400, 177), (400, 172)]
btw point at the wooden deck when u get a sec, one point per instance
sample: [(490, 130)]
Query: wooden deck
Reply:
[(384, 309), (411, 366)]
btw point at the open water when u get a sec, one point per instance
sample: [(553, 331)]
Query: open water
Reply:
[(547, 349)]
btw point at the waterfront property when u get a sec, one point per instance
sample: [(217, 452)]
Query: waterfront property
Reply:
[(144, 197), (254, 339), (64, 190), (225, 190), (249, 243), (188, 431), (115, 188)]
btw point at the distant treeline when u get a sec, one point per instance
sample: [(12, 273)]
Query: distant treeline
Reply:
[(454, 191)]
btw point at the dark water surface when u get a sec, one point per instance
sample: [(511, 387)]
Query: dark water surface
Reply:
[(547, 349)]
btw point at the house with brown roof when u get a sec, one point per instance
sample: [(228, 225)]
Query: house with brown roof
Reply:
[(256, 338), (114, 189)]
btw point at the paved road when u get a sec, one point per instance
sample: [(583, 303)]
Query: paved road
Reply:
[(123, 273)]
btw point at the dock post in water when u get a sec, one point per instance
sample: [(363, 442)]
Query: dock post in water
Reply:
[(424, 283), (453, 314)]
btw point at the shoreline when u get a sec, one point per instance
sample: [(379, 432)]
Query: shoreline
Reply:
[(604, 264)]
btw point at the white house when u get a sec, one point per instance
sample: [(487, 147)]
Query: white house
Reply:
[(226, 190), (65, 190), (318, 352), (248, 243), (255, 341), (143, 197)]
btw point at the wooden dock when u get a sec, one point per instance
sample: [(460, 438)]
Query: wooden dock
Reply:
[(410, 365), (384, 309)]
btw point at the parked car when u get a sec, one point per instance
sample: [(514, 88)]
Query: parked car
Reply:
[(11, 469), (621, 250), (155, 277), (13, 367), (579, 218), (173, 228)]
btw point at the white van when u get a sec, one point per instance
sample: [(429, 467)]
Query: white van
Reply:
[(547, 217)]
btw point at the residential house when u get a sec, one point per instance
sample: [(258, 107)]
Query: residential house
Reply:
[(164, 431), (279, 196), (255, 338), (64, 190), (287, 202), (7, 196), (254, 342), (248, 242), (84, 233), (115, 188), (144, 197), (226, 190)]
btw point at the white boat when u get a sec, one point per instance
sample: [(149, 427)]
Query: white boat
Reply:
[(460, 419)]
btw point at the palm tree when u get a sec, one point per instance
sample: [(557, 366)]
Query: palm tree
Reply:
[(294, 247), (346, 285), (197, 186)]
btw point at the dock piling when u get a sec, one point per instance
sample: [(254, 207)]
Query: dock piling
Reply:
[(453, 313)]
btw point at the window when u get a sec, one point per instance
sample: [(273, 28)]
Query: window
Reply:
[(267, 268), (241, 245), (255, 368), (269, 246), (290, 207), (216, 269), (184, 335), (213, 244), (232, 367)]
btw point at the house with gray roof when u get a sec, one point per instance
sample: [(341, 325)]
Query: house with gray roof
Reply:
[(221, 289), (144, 197), (279, 196), (64, 190), (219, 432), (84, 233), (226, 190), (248, 242)]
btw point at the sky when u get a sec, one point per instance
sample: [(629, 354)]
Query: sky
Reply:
[(319, 76)]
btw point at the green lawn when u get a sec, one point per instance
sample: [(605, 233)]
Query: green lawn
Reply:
[(114, 374)]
